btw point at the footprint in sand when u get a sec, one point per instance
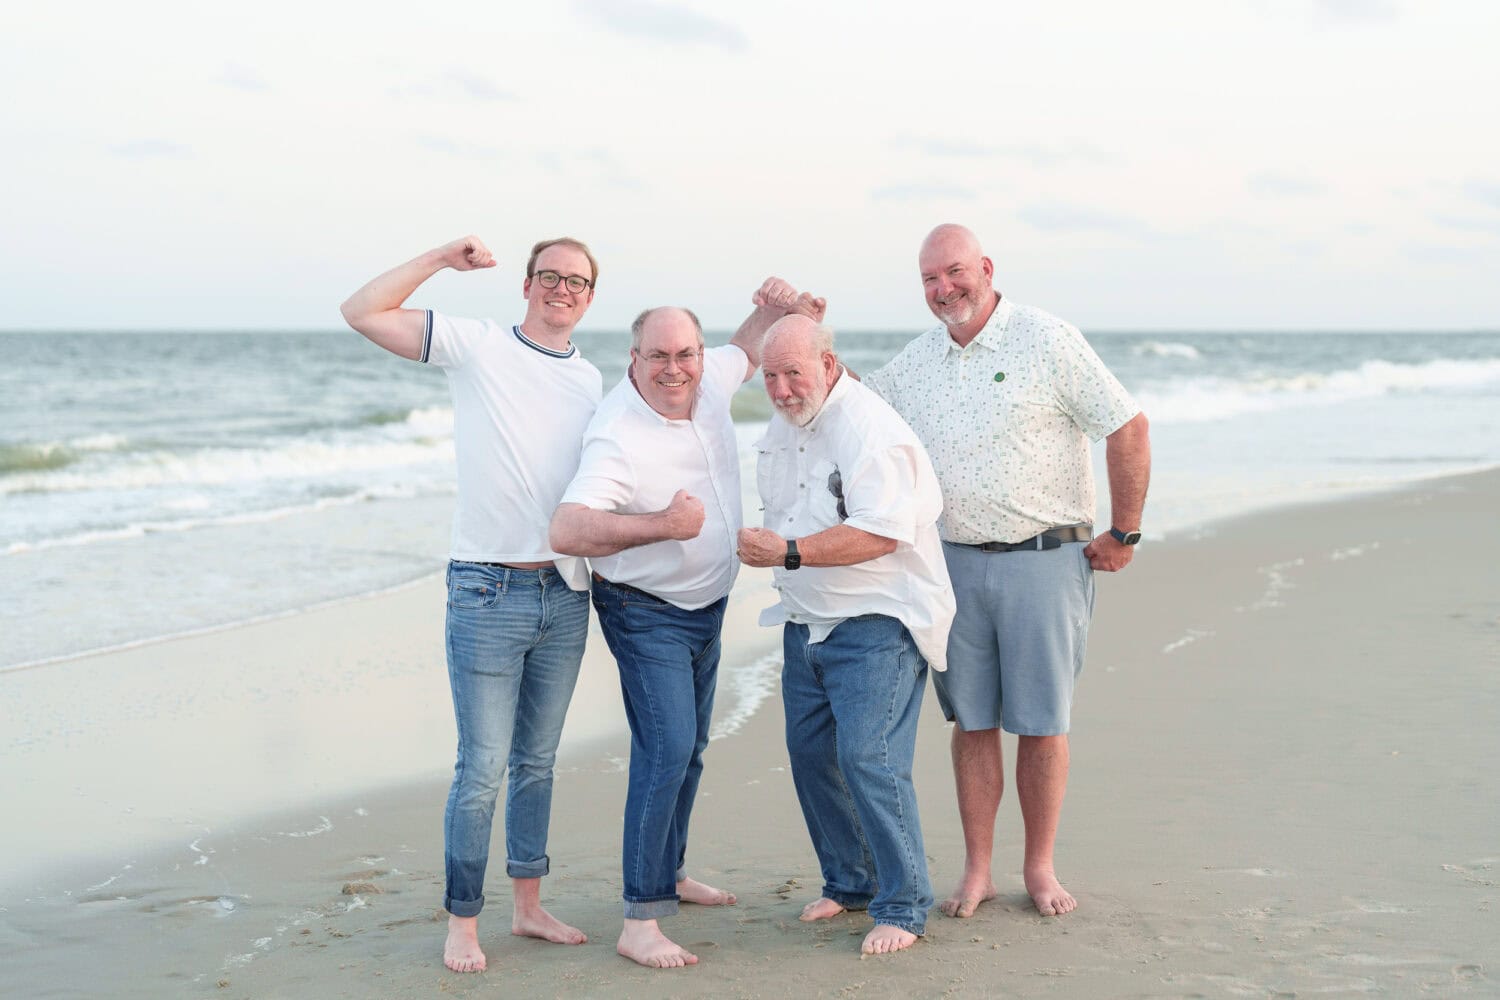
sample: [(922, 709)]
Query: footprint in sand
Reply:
[(1257, 872), (1192, 636)]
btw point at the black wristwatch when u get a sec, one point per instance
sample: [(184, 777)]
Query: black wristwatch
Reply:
[(793, 557), (1125, 537)]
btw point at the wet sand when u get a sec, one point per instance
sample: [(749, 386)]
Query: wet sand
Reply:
[(1283, 785)]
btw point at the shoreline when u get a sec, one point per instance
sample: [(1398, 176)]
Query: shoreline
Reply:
[(1270, 711), (1327, 495)]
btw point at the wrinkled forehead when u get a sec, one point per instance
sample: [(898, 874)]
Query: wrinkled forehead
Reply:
[(788, 351)]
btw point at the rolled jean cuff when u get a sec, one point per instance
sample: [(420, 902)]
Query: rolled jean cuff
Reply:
[(650, 909), (846, 900), (528, 869), (463, 907)]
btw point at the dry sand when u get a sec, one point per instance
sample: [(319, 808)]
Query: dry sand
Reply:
[(1283, 785)]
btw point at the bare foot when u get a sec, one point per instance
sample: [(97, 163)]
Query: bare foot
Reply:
[(820, 909), (461, 951), (1051, 899), (690, 890), (967, 895), (538, 923), (642, 941), (885, 939)]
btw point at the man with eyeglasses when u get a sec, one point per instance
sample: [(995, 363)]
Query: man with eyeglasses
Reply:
[(656, 507), (517, 612)]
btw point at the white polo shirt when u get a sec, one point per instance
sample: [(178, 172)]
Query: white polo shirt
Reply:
[(857, 463), (634, 460), (1008, 420), (519, 413)]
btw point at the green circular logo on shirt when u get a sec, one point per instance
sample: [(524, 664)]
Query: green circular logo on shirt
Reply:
[(999, 376)]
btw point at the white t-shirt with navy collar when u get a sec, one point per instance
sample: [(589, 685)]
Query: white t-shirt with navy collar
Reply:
[(519, 413)]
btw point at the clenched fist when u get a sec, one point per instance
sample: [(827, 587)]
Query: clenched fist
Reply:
[(683, 517), (761, 547), (467, 254)]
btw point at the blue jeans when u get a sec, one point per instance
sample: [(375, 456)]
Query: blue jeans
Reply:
[(669, 664), (852, 703), (515, 640)]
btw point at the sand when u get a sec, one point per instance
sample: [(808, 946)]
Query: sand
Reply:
[(1283, 785)]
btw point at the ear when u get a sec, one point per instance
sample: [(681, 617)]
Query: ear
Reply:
[(526, 289), (830, 366), (988, 266)]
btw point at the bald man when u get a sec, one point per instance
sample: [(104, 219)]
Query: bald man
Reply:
[(655, 504), (1007, 399)]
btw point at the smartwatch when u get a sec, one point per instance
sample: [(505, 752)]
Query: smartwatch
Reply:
[(1125, 537), (793, 557)]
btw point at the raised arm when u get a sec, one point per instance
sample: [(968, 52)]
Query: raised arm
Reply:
[(583, 531), (376, 309), (772, 300), (1127, 457)]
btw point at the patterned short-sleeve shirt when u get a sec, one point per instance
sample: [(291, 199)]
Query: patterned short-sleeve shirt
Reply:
[(1007, 421)]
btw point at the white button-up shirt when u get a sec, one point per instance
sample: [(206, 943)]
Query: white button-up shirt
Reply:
[(856, 463), (634, 460), (1008, 421)]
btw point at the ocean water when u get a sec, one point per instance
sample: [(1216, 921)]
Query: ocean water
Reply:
[(154, 484)]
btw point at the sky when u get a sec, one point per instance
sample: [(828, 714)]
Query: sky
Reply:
[(1242, 164)]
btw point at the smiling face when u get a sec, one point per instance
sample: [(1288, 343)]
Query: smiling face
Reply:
[(668, 363), (799, 368), (556, 310), (957, 280)]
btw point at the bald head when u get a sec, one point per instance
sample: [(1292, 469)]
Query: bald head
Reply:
[(950, 239), (957, 280), (800, 333), (663, 316)]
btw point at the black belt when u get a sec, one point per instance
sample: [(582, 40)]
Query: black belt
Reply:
[(1050, 539)]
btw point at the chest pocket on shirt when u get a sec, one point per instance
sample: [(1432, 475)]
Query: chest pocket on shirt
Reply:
[(825, 494), (771, 475)]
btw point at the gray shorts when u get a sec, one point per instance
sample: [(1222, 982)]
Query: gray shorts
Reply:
[(1018, 639)]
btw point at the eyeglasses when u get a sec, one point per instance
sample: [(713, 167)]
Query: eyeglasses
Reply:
[(576, 284), (681, 357)]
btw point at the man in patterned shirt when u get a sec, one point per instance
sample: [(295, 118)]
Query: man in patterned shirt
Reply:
[(1006, 398)]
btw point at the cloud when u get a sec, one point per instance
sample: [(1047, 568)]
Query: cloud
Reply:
[(455, 84), (1469, 223), (1438, 253), (1039, 156), (152, 149), (921, 192), (594, 163), (1058, 217), (240, 77), (1272, 184), (454, 147), (1484, 192), (478, 87), (1357, 10), (664, 22)]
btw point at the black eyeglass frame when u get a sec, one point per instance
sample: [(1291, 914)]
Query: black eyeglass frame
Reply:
[(559, 278)]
